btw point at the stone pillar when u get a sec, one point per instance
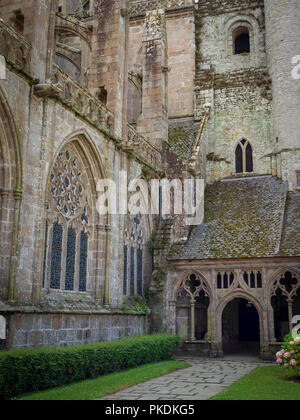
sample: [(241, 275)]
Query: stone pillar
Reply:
[(193, 324), (153, 122), (283, 45), (109, 73), (39, 31)]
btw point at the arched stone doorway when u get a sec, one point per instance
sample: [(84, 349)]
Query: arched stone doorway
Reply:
[(241, 328)]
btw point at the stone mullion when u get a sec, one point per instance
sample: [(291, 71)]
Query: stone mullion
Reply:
[(48, 256), (77, 260), (244, 158), (64, 258), (135, 269)]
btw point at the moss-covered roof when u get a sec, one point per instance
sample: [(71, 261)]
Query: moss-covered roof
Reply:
[(182, 135), (290, 244), (252, 217)]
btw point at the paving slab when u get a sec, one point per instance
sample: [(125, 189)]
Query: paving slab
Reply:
[(204, 379)]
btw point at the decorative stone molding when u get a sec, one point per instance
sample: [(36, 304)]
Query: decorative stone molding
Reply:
[(141, 7), (77, 97), (14, 47), (69, 23)]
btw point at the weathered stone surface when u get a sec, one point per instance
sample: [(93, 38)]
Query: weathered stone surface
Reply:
[(152, 88)]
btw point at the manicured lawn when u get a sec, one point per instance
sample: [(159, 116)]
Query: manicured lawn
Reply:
[(266, 383), (108, 384)]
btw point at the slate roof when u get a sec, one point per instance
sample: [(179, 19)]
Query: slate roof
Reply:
[(182, 135), (252, 217)]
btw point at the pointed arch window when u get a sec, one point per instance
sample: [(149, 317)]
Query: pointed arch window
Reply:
[(67, 224), (244, 157), (133, 258)]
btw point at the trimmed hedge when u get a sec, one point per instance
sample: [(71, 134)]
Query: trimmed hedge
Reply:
[(30, 370)]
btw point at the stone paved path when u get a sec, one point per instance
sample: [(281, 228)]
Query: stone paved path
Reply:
[(206, 378)]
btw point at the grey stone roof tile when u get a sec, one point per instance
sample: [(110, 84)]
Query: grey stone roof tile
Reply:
[(252, 217)]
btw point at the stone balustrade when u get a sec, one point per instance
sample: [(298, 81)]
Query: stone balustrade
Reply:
[(141, 146), (14, 47), (79, 98)]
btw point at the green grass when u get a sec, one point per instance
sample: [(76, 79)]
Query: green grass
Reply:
[(108, 384), (270, 383)]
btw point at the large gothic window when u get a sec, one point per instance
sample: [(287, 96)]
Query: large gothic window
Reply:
[(133, 258), (67, 224), (244, 157)]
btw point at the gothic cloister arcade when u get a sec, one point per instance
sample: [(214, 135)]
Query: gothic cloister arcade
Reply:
[(243, 318)]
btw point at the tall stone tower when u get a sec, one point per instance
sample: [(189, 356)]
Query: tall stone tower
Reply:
[(283, 45)]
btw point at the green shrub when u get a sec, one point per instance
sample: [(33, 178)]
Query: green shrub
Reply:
[(289, 356), (30, 370)]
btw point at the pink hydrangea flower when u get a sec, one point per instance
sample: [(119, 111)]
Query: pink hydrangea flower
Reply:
[(286, 365), (287, 355), (297, 340), (292, 343), (293, 352), (279, 361), (293, 362), (282, 352)]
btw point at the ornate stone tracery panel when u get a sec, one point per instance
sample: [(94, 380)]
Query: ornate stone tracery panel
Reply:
[(193, 285), (68, 223), (288, 282)]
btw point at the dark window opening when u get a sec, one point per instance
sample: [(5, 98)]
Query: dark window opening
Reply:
[(239, 159), (219, 281), (259, 280), (86, 5), (242, 44), (226, 281), (249, 158), (71, 260), (298, 179), (132, 271), (244, 157), (17, 21), (102, 95), (56, 256), (83, 261)]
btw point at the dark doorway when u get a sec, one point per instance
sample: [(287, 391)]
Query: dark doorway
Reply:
[(241, 329)]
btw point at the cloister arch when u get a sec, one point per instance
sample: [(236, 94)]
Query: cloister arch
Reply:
[(193, 298), (284, 301), (238, 294)]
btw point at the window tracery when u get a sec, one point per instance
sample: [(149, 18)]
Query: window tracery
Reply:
[(67, 223)]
